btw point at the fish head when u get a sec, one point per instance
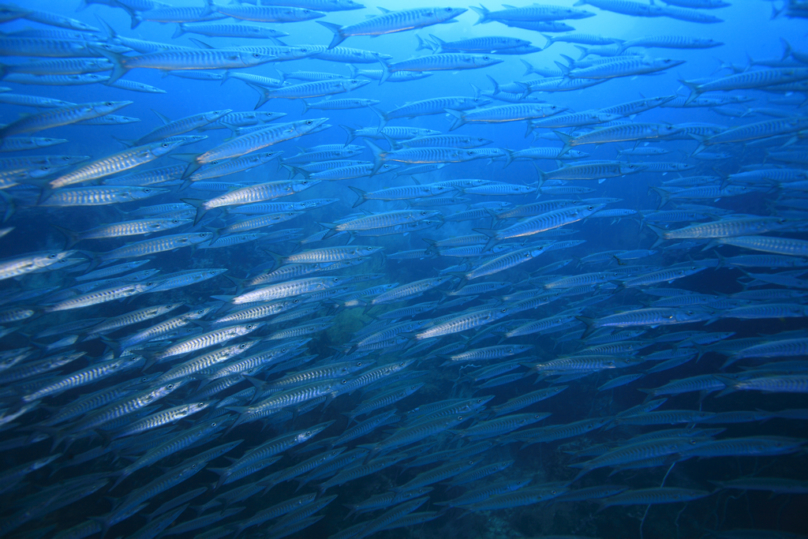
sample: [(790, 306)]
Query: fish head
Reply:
[(106, 107), (347, 4), (570, 13), (446, 13), (214, 115), (66, 160), (301, 185), (50, 258), (41, 171), (146, 192), (484, 60), (162, 148), (9, 13), (631, 168), (198, 237), (249, 328), (248, 59), (307, 14)]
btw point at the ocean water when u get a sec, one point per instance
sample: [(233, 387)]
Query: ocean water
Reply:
[(61, 479)]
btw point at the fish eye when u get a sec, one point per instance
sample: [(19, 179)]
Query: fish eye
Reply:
[(52, 256), (108, 103), (170, 386), (256, 55)]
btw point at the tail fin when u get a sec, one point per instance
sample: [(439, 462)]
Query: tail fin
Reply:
[(483, 13), (199, 204), (336, 30), (361, 194), (495, 83), (385, 72), (351, 133), (509, 157), (263, 94), (72, 236), (377, 156), (660, 234), (382, 117), (566, 139), (694, 92), (179, 31), (529, 69), (590, 325), (584, 52), (663, 195), (437, 45), (786, 48), (118, 60), (565, 69), (423, 45), (492, 237), (460, 118)]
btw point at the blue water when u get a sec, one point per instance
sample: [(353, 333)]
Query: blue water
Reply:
[(748, 32)]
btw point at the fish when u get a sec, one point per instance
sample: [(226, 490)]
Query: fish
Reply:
[(391, 22), (370, 310)]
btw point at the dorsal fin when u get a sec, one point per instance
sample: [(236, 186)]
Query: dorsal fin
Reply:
[(162, 117), (202, 43)]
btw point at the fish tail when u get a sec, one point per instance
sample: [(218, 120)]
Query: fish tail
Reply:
[(495, 83), (107, 29), (11, 207), (436, 43), (483, 12), (584, 51), (263, 94), (509, 156), (337, 30), (492, 237), (377, 156), (179, 31), (565, 69), (460, 118), (731, 384), (529, 68), (566, 139), (382, 117), (199, 204), (362, 196), (71, 236), (118, 61), (124, 142), (332, 230), (590, 328), (385, 72), (351, 133), (305, 106), (660, 235), (702, 139), (663, 195), (122, 474), (694, 92)]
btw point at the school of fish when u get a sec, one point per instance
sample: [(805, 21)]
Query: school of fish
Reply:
[(219, 328)]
